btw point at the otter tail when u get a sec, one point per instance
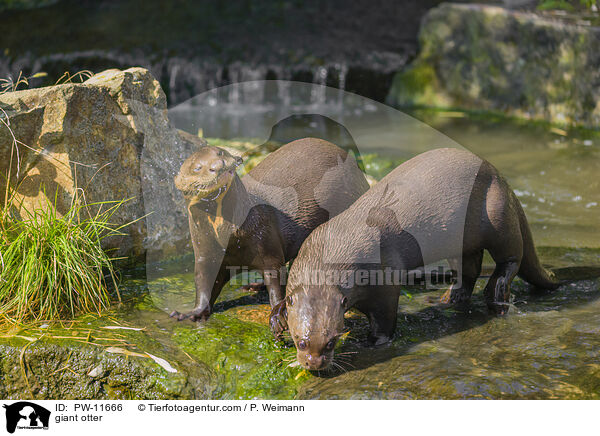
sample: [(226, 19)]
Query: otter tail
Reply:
[(531, 270)]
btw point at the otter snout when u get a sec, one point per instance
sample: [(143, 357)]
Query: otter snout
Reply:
[(314, 362)]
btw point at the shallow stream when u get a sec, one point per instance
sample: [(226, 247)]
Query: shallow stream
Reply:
[(548, 346)]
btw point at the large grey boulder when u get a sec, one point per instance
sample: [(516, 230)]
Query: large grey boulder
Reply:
[(109, 136)]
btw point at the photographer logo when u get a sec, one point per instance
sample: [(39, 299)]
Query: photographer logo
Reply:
[(25, 415)]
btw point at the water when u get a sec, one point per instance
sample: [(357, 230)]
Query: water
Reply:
[(548, 346), (554, 175)]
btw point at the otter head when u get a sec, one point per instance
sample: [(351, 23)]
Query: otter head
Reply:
[(206, 174), (316, 322)]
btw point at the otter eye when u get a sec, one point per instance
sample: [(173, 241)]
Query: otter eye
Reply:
[(220, 153), (302, 344), (330, 345), (198, 168)]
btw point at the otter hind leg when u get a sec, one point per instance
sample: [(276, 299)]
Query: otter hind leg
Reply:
[(503, 238), (497, 290), (460, 291), (273, 284), (506, 248), (278, 319)]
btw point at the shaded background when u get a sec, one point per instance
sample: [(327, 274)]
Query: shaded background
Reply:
[(192, 46)]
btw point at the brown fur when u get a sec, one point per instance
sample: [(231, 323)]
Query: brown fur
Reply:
[(442, 204), (261, 220)]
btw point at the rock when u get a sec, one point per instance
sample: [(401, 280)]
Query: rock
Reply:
[(97, 371), (109, 136), (196, 49), (490, 58), (520, 3)]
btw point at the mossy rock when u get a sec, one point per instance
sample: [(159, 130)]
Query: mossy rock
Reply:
[(138, 352), (417, 85), (479, 57), (249, 363), (50, 369)]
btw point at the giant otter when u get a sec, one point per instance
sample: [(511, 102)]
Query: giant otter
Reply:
[(442, 204), (260, 220)]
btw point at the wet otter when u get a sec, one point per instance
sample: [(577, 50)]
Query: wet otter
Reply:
[(260, 220), (442, 204)]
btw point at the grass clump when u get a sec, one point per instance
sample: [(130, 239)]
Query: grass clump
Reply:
[(52, 265)]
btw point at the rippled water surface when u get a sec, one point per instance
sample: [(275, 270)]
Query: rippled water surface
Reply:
[(547, 347)]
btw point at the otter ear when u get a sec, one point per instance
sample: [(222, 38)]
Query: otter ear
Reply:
[(344, 302), (289, 300)]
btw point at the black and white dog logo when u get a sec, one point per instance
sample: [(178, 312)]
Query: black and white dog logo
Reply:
[(26, 415)]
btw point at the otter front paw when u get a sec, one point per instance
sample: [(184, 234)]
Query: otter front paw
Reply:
[(458, 297), (195, 315), (278, 319), (378, 340)]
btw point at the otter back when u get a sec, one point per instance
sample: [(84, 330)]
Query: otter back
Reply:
[(265, 216)]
